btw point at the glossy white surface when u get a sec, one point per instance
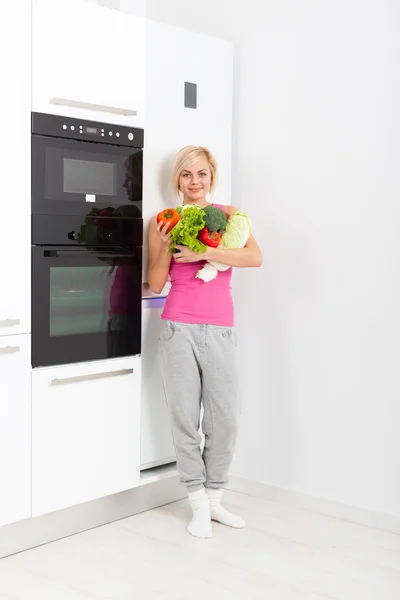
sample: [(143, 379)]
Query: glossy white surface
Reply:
[(15, 160), (105, 64), (156, 439), (85, 432), (15, 428)]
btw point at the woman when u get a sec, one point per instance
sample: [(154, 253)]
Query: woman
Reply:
[(198, 348)]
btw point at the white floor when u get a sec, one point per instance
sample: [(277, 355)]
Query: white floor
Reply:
[(283, 554)]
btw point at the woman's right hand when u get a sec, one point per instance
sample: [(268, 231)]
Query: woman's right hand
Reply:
[(162, 233)]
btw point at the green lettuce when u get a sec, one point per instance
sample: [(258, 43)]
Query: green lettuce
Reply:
[(182, 207), (187, 229)]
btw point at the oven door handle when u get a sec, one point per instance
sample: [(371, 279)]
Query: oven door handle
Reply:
[(91, 377), (82, 254)]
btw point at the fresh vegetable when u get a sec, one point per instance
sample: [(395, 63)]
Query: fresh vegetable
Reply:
[(188, 228), (93, 212), (106, 212), (169, 217), (209, 238), (237, 231), (128, 210), (215, 218), (182, 207), (236, 234)]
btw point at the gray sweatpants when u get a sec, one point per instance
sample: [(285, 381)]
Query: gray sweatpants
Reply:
[(199, 368)]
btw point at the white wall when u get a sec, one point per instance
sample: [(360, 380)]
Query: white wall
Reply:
[(219, 18), (316, 164), (133, 7)]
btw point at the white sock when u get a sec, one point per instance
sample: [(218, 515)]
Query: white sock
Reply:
[(200, 525), (220, 514)]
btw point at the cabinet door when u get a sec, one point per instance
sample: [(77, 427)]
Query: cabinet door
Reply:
[(15, 428), (15, 183), (156, 439), (89, 54), (175, 56), (85, 432)]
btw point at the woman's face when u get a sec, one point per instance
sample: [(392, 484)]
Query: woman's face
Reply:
[(195, 181)]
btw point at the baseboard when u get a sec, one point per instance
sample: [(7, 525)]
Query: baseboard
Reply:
[(30, 533), (323, 506)]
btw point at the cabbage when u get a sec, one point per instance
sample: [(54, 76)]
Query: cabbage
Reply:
[(237, 232)]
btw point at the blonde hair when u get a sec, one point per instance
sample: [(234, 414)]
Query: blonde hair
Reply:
[(187, 157)]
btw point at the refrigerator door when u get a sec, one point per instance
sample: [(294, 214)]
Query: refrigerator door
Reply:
[(156, 440)]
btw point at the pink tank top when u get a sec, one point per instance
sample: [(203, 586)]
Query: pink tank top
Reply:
[(191, 300)]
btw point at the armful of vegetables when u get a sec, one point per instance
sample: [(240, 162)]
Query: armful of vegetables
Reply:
[(236, 234), (197, 228)]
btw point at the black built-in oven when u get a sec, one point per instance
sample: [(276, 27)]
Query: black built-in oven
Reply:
[(87, 236)]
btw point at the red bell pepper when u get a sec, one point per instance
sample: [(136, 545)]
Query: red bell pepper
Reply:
[(170, 216), (209, 238)]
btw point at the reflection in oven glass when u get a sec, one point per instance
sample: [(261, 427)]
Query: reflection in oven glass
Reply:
[(99, 299), (87, 173), (133, 167), (79, 300), (124, 325)]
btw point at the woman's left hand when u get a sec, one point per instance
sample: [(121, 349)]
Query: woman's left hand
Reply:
[(185, 255)]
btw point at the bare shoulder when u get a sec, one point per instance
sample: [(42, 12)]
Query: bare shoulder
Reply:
[(251, 242)]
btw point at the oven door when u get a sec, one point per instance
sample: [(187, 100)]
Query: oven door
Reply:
[(86, 304), (74, 177)]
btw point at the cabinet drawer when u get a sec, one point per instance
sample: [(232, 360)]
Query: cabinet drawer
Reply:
[(85, 432), (15, 428)]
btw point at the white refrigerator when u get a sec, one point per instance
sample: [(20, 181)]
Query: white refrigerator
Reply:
[(156, 440)]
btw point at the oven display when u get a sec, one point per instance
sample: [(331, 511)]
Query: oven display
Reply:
[(93, 130)]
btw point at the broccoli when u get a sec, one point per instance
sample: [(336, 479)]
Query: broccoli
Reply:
[(215, 218)]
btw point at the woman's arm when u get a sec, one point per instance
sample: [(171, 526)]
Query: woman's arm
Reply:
[(159, 259), (249, 256)]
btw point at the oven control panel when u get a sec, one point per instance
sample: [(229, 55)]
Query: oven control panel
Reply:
[(79, 129)]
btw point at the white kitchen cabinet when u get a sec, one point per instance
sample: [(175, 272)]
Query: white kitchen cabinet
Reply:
[(85, 53), (15, 153), (15, 428), (175, 56), (85, 432), (156, 439)]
